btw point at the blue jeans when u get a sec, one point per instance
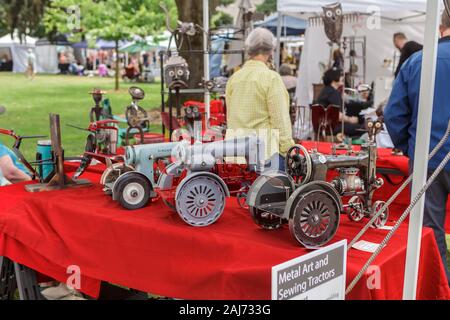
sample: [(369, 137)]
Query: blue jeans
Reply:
[(435, 211)]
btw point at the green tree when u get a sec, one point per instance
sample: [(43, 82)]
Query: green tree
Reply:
[(21, 16), (192, 11), (221, 19), (112, 20), (267, 7)]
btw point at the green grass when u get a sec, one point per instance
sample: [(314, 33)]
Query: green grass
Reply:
[(29, 103)]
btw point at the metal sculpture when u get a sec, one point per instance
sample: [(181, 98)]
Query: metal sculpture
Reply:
[(308, 202), (333, 20), (183, 31), (101, 144), (137, 117), (190, 184), (58, 179), (97, 110)]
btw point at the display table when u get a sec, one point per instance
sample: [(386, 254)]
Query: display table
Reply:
[(153, 250)]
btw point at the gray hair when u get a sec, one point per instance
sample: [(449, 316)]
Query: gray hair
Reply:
[(260, 41), (445, 21)]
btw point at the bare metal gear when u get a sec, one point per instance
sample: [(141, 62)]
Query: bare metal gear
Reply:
[(314, 218), (381, 220), (200, 200), (136, 117), (299, 164), (355, 209)]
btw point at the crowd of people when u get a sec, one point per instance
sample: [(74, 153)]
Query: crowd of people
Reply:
[(138, 66)]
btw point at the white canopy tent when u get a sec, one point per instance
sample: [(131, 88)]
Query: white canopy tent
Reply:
[(18, 50), (395, 16), (394, 11), (389, 7)]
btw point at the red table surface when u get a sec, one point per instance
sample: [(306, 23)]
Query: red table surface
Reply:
[(386, 160), (154, 251)]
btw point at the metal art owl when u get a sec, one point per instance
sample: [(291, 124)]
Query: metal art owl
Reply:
[(333, 20), (176, 73)]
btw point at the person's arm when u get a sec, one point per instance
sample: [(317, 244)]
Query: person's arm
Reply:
[(11, 172), (278, 104), (397, 114)]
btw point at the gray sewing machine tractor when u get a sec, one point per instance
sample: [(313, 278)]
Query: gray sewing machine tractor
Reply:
[(200, 194), (311, 205)]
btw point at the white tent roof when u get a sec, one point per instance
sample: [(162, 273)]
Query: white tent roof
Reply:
[(396, 9), (19, 52), (27, 41)]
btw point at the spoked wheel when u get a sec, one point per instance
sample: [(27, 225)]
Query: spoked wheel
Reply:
[(355, 209), (266, 220), (136, 117), (382, 219), (299, 164), (314, 218), (133, 191), (200, 200)]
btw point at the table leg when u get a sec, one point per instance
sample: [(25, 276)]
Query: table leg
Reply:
[(8, 284), (27, 283)]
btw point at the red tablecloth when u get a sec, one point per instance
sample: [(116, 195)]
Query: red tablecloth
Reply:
[(153, 250), (386, 160)]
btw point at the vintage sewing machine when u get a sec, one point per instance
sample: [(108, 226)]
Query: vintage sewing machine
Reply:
[(190, 184), (311, 202)]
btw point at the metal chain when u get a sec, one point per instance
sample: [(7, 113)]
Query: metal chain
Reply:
[(399, 190), (399, 222)]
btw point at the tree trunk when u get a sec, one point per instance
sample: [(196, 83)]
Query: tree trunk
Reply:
[(192, 11), (117, 65)]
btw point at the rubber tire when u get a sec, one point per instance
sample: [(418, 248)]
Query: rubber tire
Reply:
[(135, 178)]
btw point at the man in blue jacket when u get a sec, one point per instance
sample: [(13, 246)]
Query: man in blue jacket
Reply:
[(401, 122)]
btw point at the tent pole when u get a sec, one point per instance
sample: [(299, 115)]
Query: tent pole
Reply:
[(277, 52), (206, 57), (422, 143)]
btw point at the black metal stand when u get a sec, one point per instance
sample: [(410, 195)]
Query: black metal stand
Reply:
[(16, 276), (177, 92)]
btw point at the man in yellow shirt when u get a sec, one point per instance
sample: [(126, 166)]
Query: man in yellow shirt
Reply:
[(258, 102)]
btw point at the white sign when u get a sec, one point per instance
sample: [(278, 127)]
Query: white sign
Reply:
[(366, 246), (319, 275)]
